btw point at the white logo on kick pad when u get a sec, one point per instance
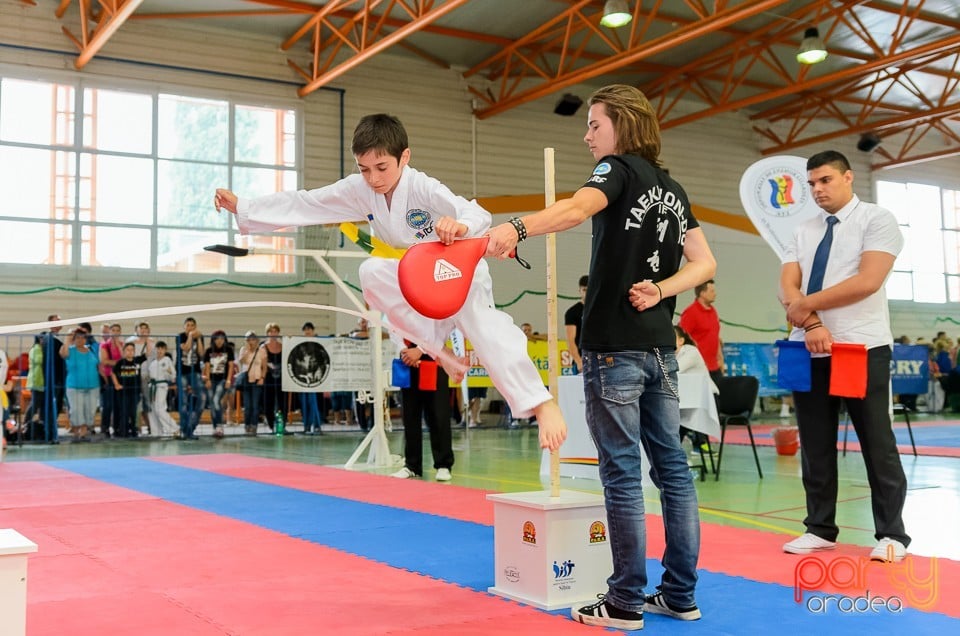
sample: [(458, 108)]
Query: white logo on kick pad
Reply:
[(442, 270)]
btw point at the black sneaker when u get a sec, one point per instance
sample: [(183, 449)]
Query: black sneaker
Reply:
[(659, 605), (603, 614)]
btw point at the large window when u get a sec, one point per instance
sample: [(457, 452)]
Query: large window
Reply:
[(100, 177), (928, 268)]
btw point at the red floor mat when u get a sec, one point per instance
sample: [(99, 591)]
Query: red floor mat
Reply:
[(115, 562), (752, 554)]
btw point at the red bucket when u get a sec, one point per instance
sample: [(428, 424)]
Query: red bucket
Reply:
[(787, 440)]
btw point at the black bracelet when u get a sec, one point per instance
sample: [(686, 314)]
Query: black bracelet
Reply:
[(520, 228), (660, 291), (812, 327)]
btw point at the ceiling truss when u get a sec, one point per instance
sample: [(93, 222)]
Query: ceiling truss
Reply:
[(886, 84)]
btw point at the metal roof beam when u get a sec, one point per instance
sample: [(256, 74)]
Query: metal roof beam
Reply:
[(366, 39), (576, 23), (946, 45)]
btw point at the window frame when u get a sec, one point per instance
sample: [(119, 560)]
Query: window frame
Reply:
[(78, 272), (942, 230)]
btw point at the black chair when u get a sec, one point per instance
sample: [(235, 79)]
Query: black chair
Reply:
[(735, 404), (898, 409)]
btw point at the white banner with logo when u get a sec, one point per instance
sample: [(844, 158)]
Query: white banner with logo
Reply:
[(776, 198), (331, 364)]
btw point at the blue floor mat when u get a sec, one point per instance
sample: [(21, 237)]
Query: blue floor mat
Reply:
[(462, 552)]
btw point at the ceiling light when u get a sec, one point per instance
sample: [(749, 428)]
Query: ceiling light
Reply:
[(812, 49), (615, 14)]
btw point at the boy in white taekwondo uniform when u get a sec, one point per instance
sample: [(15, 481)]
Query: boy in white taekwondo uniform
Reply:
[(405, 207)]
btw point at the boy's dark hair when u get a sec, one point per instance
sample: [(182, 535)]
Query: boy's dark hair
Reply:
[(86, 326), (128, 344), (161, 344), (307, 325), (189, 319), (381, 132), (583, 280), (702, 287), (828, 157)]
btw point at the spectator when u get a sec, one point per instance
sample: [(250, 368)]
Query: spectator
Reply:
[(572, 319), (111, 351), (82, 382), (309, 408), (126, 384), (361, 400), (701, 321), (35, 384), (54, 374), (144, 354), (532, 336), (274, 399), (189, 385), (161, 375), (252, 363), (217, 377)]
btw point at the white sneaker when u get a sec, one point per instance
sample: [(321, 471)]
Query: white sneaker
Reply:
[(404, 473), (889, 550), (807, 543), (443, 474)]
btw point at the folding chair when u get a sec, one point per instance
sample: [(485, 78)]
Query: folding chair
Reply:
[(735, 404)]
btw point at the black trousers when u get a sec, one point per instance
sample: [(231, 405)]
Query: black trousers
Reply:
[(818, 417), (434, 407)]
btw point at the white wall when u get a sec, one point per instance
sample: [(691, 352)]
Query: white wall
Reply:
[(497, 156)]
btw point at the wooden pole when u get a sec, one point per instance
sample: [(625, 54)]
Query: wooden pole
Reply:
[(553, 358)]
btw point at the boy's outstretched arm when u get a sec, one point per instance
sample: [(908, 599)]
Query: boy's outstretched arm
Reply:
[(225, 199)]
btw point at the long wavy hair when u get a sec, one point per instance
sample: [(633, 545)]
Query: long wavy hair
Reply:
[(634, 119)]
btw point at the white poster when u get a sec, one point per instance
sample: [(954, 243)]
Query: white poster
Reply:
[(313, 365), (776, 198)]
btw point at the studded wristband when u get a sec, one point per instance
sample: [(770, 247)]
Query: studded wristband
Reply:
[(520, 228)]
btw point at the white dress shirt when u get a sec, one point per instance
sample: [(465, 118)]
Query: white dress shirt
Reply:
[(863, 227)]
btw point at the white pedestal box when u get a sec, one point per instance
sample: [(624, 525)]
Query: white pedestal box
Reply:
[(14, 548), (550, 552)]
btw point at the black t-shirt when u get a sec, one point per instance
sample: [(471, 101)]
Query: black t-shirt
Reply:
[(638, 236), (189, 360), (219, 362), (574, 316), (128, 374)]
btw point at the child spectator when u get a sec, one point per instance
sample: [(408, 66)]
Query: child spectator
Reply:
[(126, 384), (160, 375)]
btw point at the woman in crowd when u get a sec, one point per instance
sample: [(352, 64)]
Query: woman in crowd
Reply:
[(83, 382), (217, 377), (252, 363), (274, 399)]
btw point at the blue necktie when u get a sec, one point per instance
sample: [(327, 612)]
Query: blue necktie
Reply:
[(820, 258)]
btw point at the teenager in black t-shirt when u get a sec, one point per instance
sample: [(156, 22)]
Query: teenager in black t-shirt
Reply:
[(643, 229)]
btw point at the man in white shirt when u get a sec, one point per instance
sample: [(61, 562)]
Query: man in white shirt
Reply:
[(831, 285)]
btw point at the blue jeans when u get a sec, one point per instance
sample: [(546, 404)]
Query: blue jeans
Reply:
[(215, 401), (190, 401), (631, 399), (309, 411)]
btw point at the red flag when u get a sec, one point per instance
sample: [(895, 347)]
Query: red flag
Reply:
[(848, 370), (428, 375), (435, 278)]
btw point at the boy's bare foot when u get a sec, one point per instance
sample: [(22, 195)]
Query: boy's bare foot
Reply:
[(455, 367), (553, 428)]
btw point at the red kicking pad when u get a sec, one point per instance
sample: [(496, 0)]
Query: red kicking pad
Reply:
[(435, 278)]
